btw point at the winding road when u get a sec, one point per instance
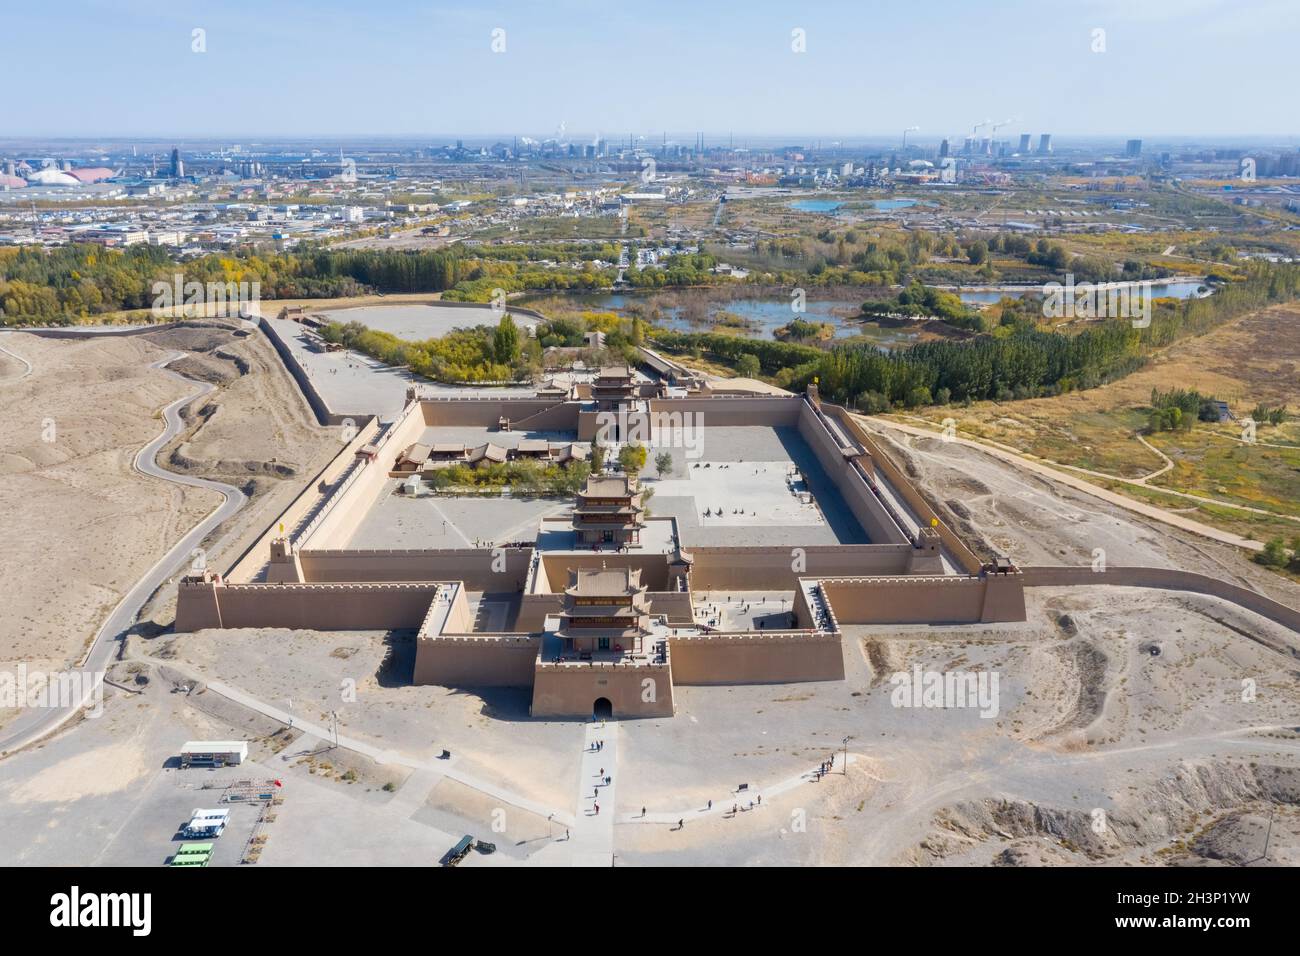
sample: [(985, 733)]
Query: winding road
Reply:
[(26, 371), (37, 722)]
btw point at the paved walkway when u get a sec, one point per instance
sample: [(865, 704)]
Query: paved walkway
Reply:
[(593, 833), (743, 800)]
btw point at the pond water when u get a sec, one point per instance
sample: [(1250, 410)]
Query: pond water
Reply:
[(833, 205), (765, 316), (1160, 289), (816, 205)]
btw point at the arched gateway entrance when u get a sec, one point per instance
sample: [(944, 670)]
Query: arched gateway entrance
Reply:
[(602, 708)]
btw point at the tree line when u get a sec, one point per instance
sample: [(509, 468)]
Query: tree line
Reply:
[(1018, 361)]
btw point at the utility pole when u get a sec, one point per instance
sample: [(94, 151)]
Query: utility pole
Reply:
[(1269, 834), (846, 754)]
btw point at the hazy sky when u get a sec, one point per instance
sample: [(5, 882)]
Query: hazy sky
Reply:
[(302, 67)]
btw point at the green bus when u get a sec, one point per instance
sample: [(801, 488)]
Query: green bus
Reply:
[(193, 854)]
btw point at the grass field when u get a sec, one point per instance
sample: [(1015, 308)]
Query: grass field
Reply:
[(1250, 360)]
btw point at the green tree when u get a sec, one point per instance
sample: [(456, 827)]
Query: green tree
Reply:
[(632, 458), (1274, 554), (747, 366), (664, 463), (505, 343)]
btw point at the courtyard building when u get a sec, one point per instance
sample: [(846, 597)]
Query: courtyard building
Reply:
[(609, 512)]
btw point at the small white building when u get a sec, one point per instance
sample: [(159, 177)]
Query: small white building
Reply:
[(207, 823), (214, 753)]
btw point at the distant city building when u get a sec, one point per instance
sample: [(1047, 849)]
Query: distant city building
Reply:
[(1133, 148), (52, 177), (1045, 143), (1024, 143), (178, 166), (91, 174), (944, 149)]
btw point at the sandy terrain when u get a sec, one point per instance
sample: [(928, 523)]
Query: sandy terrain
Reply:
[(256, 431), (81, 525), (999, 508)]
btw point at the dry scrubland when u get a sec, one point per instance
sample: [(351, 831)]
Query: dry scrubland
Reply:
[(1253, 359), (1132, 704), (1132, 701), (81, 525), (256, 431)]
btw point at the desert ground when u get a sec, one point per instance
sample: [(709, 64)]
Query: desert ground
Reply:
[(1121, 735), (83, 524), (1250, 360), (1130, 726)]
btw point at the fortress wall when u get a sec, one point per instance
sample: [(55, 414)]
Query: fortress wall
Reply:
[(770, 410), (484, 412), (675, 605), (322, 607), (481, 569), (871, 514), (803, 615), (756, 657), (881, 463), (459, 619), (98, 332), (196, 607), (1004, 598), (775, 567), (571, 690), (534, 610), (256, 557), (476, 660), (493, 316), (926, 599), (318, 405), (344, 512), (1167, 579), (588, 425), (541, 582)]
